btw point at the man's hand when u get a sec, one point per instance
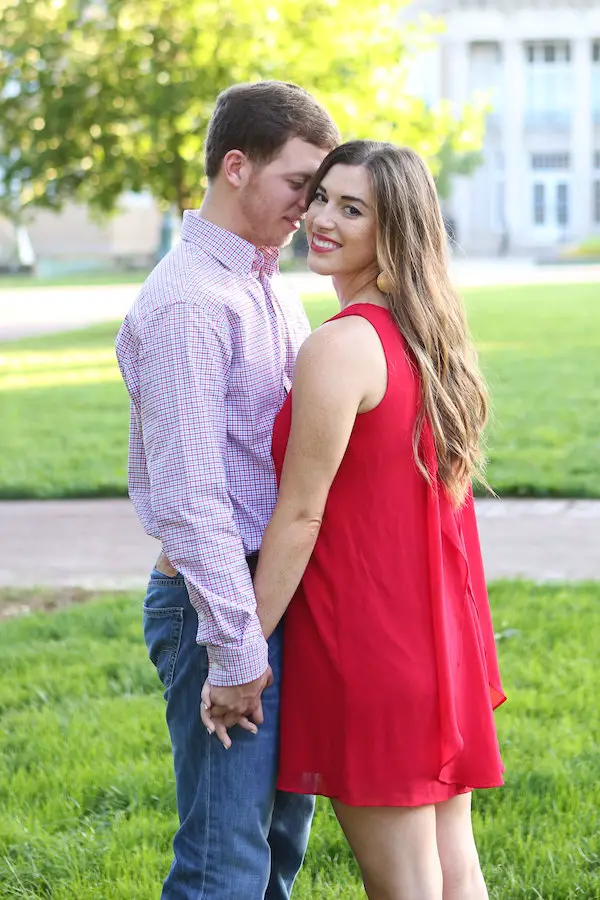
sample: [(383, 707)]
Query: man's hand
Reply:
[(223, 707)]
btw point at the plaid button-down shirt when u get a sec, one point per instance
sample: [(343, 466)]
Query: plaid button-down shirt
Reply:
[(207, 354)]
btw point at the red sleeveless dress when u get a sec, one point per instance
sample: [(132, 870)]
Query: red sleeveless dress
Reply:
[(390, 672)]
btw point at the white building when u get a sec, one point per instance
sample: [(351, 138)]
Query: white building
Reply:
[(73, 239), (539, 63)]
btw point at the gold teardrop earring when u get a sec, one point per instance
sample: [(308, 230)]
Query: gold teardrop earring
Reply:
[(384, 283)]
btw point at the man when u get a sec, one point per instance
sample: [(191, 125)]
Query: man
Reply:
[(207, 353)]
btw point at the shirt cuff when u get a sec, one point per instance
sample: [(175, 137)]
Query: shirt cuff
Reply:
[(237, 665)]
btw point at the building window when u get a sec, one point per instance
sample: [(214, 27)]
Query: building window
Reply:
[(552, 52), (539, 204), (596, 188), (596, 202), (548, 82), (562, 204), (498, 214), (596, 80), (550, 161), (485, 67)]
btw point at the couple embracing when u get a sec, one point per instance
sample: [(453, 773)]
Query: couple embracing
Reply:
[(345, 457)]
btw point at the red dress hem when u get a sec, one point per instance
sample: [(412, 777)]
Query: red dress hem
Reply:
[(400, 799)]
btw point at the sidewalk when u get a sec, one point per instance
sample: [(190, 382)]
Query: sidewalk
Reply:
[(100, 544), (25, 312)]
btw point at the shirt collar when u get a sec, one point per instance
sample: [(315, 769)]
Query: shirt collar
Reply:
[(230, 249)]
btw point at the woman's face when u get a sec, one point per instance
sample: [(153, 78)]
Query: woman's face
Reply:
[(341, 225)]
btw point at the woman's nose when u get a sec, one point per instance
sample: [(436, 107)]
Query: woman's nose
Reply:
[(324, 218)]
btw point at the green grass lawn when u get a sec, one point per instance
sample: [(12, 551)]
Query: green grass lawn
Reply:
[(87, 795), (65, 409)]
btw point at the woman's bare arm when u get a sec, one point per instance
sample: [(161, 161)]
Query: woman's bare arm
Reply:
[(340, 368)]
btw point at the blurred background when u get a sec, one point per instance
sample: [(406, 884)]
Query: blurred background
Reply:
[(104, 107)]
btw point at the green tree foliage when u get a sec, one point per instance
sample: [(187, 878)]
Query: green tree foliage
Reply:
[(102, 96)]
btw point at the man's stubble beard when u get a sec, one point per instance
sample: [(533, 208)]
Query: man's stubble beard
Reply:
[(286, 241), (255, 206)]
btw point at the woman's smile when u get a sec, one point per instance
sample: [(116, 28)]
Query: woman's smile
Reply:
[(322, 244)]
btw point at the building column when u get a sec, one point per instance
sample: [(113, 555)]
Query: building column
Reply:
[(517, 199), (580, 224), (457, 91)]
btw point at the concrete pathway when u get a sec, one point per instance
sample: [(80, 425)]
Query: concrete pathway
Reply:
[(25, 312), (30, 311), (100, 544)]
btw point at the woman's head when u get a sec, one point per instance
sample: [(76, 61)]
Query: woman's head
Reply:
[(379, 203), (374, 209), (341, 223)]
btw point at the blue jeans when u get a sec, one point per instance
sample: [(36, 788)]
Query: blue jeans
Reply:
[(239, 838)]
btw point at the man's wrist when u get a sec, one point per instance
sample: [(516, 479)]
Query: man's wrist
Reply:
[(229, 666)]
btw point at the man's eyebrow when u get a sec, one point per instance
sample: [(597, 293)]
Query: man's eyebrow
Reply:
[(305, 175)]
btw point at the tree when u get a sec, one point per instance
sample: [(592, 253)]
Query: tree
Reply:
[(102, 96), (453, 160)]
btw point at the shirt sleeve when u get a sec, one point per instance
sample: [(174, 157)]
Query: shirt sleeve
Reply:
[(137, 472), (184, 373), (138, 481)]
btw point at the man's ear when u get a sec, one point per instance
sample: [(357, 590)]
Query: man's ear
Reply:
[(236, 168)]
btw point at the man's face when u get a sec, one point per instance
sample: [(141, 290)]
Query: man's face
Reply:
[(274, 199)]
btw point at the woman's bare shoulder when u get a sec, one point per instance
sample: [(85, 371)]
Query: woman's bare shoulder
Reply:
[(349, 337)]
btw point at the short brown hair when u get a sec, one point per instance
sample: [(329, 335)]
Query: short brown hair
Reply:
[(260, 118)]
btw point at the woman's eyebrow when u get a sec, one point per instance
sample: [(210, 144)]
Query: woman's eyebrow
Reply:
[(354, 199)]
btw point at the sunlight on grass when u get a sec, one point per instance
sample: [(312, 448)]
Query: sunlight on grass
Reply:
[(51, 369), (71, 376), (57, 359)]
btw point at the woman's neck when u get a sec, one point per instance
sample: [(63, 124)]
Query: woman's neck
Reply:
[(358, 289)]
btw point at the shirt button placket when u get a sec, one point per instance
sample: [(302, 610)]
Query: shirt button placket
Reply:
[(275, 315)]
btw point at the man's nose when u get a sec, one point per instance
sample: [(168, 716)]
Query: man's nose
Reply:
[(304, 201)]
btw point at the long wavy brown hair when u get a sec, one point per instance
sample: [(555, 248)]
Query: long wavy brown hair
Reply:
[(412, 254)]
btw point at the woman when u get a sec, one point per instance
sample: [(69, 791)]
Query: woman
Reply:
[(390, 670)]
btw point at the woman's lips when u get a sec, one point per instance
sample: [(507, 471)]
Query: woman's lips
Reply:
[(321, 244)]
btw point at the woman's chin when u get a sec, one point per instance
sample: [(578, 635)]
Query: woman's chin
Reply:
[(318, 264)]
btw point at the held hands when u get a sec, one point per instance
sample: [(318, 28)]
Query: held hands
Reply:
[(223, 707)]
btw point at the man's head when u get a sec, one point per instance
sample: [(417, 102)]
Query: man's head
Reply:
[(265, 142)]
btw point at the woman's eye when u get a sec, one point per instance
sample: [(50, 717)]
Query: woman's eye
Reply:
[(353, 211), (320, 197)]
